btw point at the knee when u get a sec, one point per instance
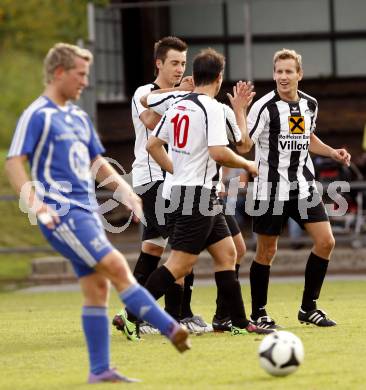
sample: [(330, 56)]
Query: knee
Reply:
[(116, 269), (96, 292), (228, 258), (102, 290), (266, 253), (240, 251), (325, 245), (272, 250), (152, 249), (180, 267), (187, 268)]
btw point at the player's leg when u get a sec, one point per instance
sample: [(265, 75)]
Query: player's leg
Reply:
[(152, 248), (154, 241), (188, 233), (310, 214), (187, 295), (259, 277), (137, 300), (95, 322), (178, 265), (228, 286), (315, 271), (79, 238), (241, 249), (148, 260), (193, 322), (221, 320), (268, 227)]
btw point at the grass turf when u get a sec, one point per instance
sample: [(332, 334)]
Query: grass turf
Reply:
[(42, 345)]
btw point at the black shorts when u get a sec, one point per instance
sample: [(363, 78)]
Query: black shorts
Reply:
[(153, 205), (275, 218), (232, 224), (190, 230), (231, 221)]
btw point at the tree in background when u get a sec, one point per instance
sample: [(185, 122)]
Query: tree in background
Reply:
[(28, 28)]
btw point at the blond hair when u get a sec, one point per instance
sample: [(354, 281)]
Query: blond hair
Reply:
[(63, 54), (288, 54)]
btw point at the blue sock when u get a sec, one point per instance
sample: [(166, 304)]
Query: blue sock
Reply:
[(96, 329), (143, 305)]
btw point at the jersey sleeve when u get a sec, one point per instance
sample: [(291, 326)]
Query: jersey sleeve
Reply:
[(216, 134), (95, 144), (27, 134), (256, 121), (160, 102), (232, 129), (161, 130), (139, 93), (313, 119)]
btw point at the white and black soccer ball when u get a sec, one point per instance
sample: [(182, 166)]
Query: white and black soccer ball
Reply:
[(281, 353)]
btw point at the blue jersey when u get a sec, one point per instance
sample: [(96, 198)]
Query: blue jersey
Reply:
[(60, 143)]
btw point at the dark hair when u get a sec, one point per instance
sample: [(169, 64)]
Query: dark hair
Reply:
[(165, 44), (207, 66)]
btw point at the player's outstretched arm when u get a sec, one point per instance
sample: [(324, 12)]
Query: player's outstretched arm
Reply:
[(107, 176), (240, 100), (150, 119), (226, 157), (23, 186), (186, 85), (155, 146), (319, 147)]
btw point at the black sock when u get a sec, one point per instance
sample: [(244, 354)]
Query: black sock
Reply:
[(222, 311), (173, 301), (187, 296), (259, 280), (145, 265), (229, 288), (237, 268), (157, 284), (315, 271)]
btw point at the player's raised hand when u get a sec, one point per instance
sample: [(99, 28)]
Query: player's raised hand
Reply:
[(242, 96), (342, 156), (186, 84)]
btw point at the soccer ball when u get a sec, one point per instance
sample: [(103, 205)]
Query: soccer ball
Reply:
[(281, 353)]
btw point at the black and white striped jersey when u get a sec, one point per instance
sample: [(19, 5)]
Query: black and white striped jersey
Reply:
[(160, 102), (190, 126), (144, 168), (281, 132)]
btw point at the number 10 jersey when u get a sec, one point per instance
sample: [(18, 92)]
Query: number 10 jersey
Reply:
[(190, 126)]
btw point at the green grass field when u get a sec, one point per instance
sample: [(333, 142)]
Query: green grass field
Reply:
[(42, 346)]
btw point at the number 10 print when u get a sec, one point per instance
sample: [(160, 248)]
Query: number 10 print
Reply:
[(180, 140)]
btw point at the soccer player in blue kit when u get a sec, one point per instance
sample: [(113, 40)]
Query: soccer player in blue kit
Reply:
[(58, 139)]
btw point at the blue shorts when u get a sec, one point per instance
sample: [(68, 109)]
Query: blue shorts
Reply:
[(80, 237)]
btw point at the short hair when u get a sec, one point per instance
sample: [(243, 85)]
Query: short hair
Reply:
[(207, 66), (288, 54), (165, 44), (63, 54)]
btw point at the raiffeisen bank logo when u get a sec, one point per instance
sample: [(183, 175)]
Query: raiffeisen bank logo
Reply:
[(296, 124), (293, 142)]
